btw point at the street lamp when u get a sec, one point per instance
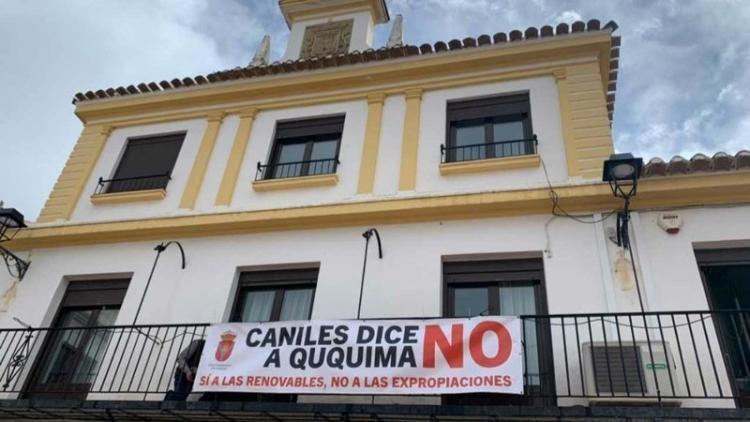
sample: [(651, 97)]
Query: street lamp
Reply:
[(622, 171), (11, 219)]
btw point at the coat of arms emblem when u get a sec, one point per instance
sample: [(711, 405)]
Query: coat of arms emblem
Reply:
[(225, 346)]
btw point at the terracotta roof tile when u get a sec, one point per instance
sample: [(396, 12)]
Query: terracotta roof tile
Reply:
[(385, 53), (721, 161)]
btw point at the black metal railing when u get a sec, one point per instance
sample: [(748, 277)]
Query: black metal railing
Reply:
[(635, 356), (656, 356), (452, 154), (75, 362), (296, 169), (128, 184)]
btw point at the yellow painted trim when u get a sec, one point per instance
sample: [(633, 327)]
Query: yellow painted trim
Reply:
[(491, 164), (390, 76), (234, 163), (195, 180), (410, 142), (659, 192), (371, 142), (270, 103), (502, 62), (124, 197), (71, 182), (565, 120), (586, 127), (53, 213), (295, 182)]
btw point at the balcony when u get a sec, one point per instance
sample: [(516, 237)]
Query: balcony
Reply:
[(490, 156), (664, 361), (130, 189), (297, 174), (488, 150), (296, 169)]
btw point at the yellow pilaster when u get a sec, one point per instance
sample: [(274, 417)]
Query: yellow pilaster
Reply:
[(234, 164), (410, 142), (567, 125), (371, 142), (195, 180), (586, 126), (69, 186)]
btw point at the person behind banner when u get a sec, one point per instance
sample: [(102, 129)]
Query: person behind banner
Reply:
[(187, 366)]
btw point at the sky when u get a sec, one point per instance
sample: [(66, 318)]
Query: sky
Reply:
[(682, 83)]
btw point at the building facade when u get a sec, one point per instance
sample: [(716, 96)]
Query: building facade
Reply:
[(478, 161)]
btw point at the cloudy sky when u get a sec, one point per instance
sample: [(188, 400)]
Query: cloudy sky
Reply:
[(682, 87)]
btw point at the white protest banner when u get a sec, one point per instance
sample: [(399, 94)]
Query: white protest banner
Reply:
[(438, 356)]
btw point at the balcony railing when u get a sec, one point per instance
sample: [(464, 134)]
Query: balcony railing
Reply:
[(128, 184), (76, 362), (569, 359), (296, 169), (452, 154)]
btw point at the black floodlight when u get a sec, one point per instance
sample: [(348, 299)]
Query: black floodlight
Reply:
[(622, 171)]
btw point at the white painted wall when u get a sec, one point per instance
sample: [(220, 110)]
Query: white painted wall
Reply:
[(406, 283), (362, 32), (389, 150), (668, 261)]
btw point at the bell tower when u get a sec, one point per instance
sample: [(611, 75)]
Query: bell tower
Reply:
[(322, 27)]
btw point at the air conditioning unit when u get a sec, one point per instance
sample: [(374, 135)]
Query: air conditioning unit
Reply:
[(618, 370)]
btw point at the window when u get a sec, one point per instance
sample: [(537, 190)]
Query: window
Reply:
[(147, 163), (507, 287), (489, 128), (725, 274), (263, 296), (305, 148), (275, 295), (70, 359)]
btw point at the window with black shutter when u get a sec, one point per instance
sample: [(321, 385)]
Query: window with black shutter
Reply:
[(505, 287), (304, 148), (492, 127), (74, 349), (274, 295), (146, 163), (279, 295)]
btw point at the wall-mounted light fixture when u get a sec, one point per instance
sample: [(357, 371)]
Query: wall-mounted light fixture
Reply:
[(622, 171), (11, 221), (367, 235), (161, 247)]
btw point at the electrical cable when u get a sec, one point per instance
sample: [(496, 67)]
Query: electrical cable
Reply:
[(623, 324), (629, 247), (558, 211)]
